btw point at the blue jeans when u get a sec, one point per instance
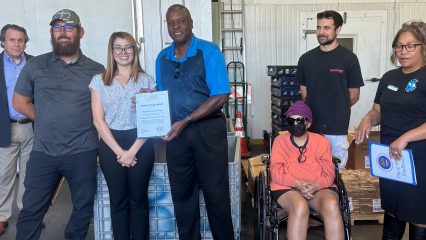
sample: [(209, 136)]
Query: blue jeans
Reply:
[(43, 175)]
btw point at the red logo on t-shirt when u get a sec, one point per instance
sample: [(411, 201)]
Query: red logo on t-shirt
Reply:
[(336, 70)]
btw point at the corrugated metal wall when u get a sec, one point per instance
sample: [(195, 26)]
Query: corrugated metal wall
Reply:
[(154, 14), (272, 38)]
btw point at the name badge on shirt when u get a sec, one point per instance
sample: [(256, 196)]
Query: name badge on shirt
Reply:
[(393, 88)]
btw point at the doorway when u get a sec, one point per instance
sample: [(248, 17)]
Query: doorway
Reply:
[(364, 33)]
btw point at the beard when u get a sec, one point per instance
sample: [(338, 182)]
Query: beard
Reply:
[(65, 49), (325, 41)]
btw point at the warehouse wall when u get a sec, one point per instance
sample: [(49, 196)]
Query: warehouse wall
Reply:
[(272, 38), (99, 18), (154, 15), (271, 32), (102, 17)]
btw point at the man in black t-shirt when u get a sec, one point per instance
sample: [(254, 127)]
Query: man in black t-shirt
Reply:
[(330, 77)]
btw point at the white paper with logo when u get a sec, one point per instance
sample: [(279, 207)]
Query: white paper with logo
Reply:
[(382, 165), (153, 114)]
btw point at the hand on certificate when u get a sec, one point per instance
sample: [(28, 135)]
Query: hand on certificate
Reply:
[(395, 148), (142, 90), (126, 159), (175, 130)]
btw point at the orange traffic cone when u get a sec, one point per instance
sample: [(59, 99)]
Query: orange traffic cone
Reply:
[(239, 131)]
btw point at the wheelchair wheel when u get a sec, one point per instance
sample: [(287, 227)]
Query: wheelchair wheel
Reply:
[(260, 208), (345, 210)]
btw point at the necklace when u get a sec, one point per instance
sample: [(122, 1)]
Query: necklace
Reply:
[(302, 149)]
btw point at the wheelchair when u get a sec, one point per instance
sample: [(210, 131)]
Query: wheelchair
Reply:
[(269, 214)]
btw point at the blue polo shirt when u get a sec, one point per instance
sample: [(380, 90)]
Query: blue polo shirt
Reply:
[(195, 77)]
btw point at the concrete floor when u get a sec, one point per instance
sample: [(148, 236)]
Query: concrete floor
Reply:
[(57, 217)]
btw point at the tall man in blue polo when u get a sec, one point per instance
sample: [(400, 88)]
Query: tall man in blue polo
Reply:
[(65, 140), (16, 138), (194, 73)]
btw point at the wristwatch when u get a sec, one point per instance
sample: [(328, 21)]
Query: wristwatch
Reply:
[(188, 120)]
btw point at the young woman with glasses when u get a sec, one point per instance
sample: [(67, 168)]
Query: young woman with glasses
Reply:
[(302, 176), (125, 160), (400, 108)]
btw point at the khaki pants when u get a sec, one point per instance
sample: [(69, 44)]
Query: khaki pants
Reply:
[(17, 153)]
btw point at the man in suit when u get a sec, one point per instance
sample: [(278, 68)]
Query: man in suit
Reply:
[(16, 138)]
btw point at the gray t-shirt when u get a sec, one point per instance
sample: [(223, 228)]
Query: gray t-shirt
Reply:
[(63, 114), (117, 100)]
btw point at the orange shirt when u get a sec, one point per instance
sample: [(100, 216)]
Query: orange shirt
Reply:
[(285, 169)]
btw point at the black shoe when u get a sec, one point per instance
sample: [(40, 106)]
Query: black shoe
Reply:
[(417, 233), (393, 228)]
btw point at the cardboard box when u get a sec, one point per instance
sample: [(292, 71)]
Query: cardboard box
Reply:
[(358, 154), (255, 167), (363, 191)]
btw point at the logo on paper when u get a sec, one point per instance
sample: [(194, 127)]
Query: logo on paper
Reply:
[(384, 163)]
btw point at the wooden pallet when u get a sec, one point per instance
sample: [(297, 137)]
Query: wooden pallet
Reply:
[(367, 217)]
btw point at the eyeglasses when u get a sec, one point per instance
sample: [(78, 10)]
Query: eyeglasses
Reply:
[(177, 70), (296, 121), (408, 47), (67, 28), (118, 49), (302, 157)]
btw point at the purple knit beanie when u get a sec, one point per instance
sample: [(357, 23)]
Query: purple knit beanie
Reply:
[(300, 108)]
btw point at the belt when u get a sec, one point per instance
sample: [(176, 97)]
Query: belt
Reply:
[(21, 120)]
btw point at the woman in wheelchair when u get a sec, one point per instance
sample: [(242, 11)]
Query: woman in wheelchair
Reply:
[(302, 176)]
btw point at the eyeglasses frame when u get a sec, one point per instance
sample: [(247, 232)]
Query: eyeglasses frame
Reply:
[(66, 27), (125, 48), (402, 46)]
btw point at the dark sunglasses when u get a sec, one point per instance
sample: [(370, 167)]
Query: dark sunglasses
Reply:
[(177, 70), (296, 121)]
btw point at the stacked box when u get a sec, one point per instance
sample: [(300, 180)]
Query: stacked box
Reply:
[(255, 166), (161, 212), (358, 154), (363, 191)]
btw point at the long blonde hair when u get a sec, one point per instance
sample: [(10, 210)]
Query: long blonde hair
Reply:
[(111, 69)]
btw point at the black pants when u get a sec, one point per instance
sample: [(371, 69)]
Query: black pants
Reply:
[(42, 177), (393, 229), (198, 158), (128, 187)]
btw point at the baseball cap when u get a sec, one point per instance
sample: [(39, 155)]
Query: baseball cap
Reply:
[(300, 108), (66, 15)]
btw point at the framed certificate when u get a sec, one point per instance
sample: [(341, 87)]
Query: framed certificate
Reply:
[(382, 165), (153, 114)]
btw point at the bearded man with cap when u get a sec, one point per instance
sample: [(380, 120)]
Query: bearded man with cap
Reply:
[(302, 176), (52, 90)]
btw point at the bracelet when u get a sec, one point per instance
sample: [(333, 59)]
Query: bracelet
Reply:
[(188, 120)]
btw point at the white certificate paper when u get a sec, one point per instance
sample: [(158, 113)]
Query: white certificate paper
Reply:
[(382, 165), (153, 114)]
